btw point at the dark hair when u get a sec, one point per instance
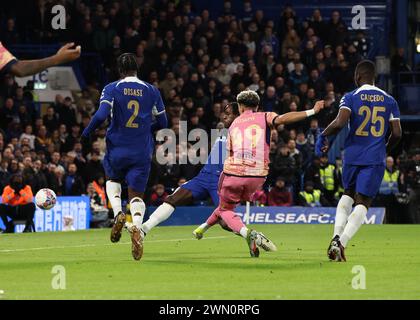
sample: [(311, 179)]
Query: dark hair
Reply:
[(234, 106), (127, 63), (366, 69)]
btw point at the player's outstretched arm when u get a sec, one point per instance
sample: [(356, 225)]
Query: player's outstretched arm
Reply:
[(98, 118), (396, 134), (322, 143), (292, 117), (65, 54), (339, 122)]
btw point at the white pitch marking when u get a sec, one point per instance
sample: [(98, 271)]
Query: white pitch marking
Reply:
[(104, 244)]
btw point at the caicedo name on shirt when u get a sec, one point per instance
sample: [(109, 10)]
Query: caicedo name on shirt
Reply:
[(372, 97), (133, 92)]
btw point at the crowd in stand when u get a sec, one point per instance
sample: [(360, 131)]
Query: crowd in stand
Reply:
[(199, 63)]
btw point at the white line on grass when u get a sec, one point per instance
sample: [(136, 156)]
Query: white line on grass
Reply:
[(104, 244)]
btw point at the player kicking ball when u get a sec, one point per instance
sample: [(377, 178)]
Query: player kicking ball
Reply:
[(130, 144), (246, 166), (370, 112), (204, 184)]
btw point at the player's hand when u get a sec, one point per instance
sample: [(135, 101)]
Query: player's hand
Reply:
[(319, 105), (66, 54), (322, 145)]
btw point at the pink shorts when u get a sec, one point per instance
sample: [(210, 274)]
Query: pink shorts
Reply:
[(233, 189)]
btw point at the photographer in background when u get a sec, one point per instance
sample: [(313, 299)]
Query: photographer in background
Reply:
[(17, 204), (98, 203)]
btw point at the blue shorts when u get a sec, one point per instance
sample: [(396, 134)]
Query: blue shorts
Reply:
[(202, 186), (134, 173), (365, 180)]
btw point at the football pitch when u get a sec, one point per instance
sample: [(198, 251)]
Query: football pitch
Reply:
[(176, 266)]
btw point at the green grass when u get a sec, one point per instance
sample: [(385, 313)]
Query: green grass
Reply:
[(175, 266)]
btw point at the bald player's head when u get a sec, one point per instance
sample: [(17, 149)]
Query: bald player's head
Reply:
[(365, 73)]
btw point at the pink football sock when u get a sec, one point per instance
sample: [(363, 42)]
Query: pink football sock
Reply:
[(214, 218), (232, 220)]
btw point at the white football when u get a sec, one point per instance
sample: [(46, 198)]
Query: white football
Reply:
[(45, 199)]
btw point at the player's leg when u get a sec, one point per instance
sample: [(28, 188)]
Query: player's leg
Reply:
[(137, 210), (180, 197), (232, 191), (368, 182), (343, 210), (355, 221), (251, 185), (212, 219), (345, 204), (113, 191), (137, 178)]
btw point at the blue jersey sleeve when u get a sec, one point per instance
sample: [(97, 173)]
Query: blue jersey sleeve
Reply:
[(105, 106), (106, 96), (395, 111), (346, 102), (159, 112)]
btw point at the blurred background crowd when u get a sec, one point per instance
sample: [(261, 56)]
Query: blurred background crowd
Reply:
[(199, 63)]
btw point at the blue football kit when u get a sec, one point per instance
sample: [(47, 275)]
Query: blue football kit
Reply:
[(136, 109), (205, 184), (365, 147)]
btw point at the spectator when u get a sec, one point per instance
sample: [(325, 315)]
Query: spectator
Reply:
[(17, 204), (399, 63), (259, 198), (327, 177), (93, 165), (329, 113), (39, 177), (98, 203), (336, 30), (158, 196), (298, 76), (361, 44), (66, 112), (42, 140), (270, 102), (72, 182), (388, 191), (27, 134), (270, 40), (50, 120), (310, 197), (4, 173), (304, 148), (284, 165), (291, 41), (279, 196), (312, 173), (313, 132)]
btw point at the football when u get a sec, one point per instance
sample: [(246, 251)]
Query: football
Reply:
[(45, 199)]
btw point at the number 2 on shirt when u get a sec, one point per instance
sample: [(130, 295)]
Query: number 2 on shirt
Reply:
[(130, 123)]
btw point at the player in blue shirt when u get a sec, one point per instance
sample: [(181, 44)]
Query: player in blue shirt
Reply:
[(202, 186), (369, 112), (132, 105)]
